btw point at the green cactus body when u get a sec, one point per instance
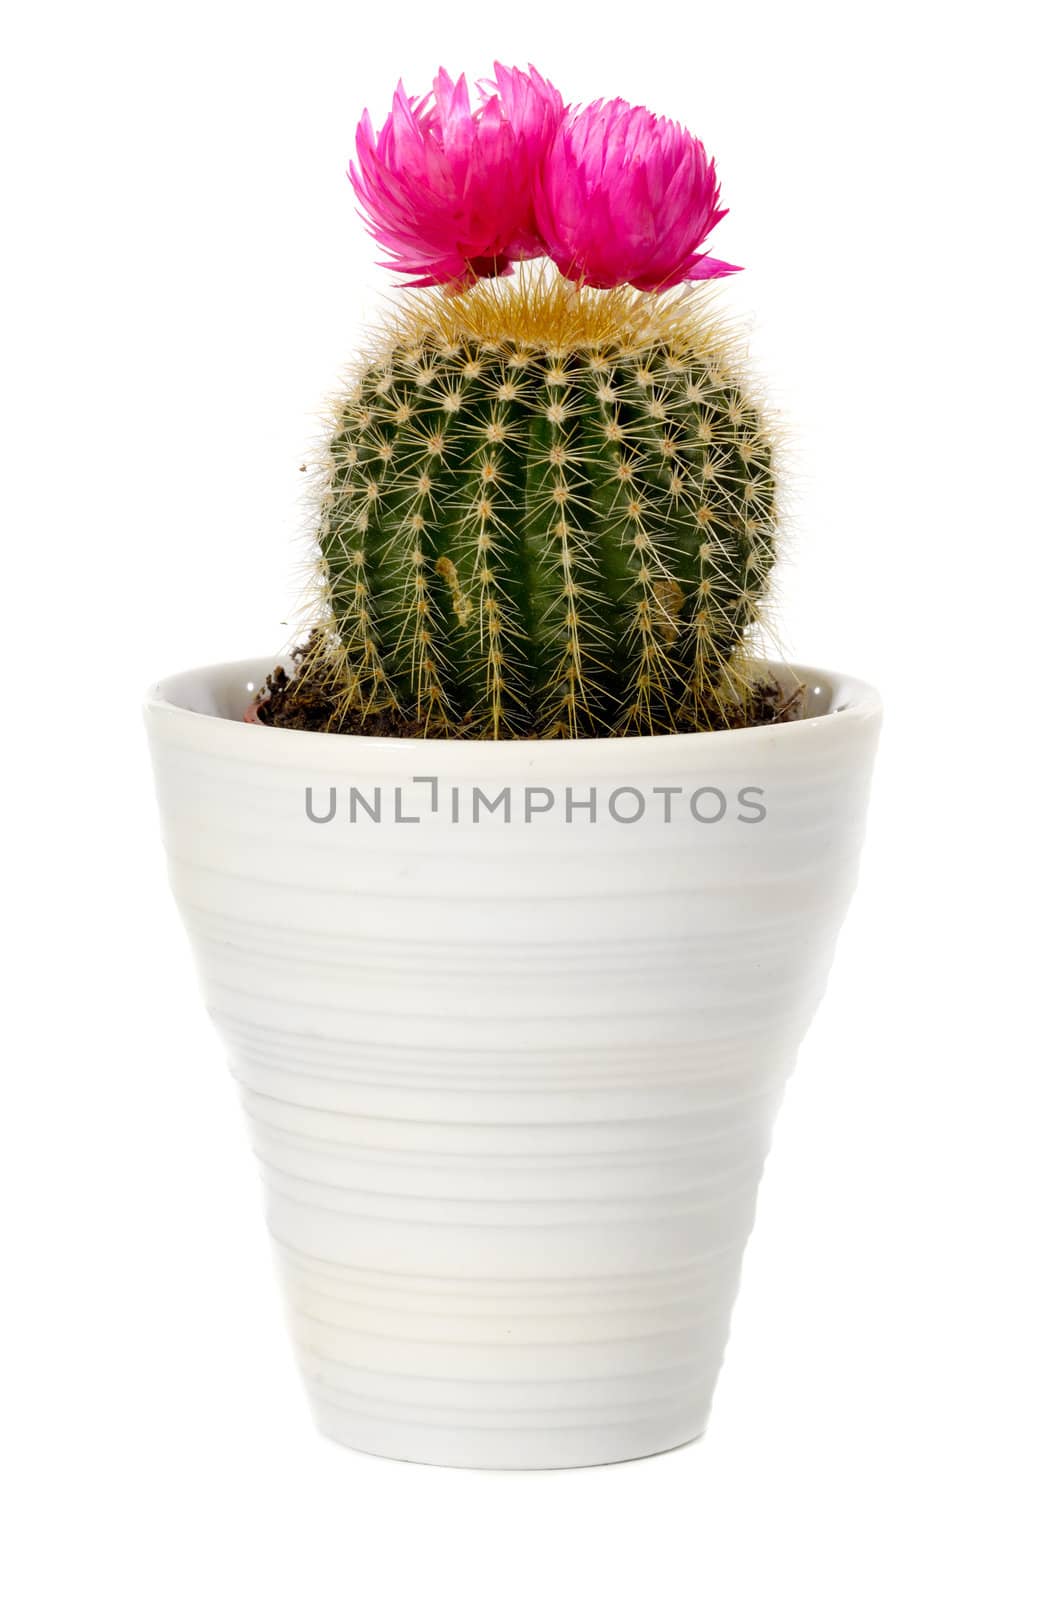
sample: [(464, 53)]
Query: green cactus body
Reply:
[(534, 528)]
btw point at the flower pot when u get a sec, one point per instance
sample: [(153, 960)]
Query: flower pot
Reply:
[(511, 1066)]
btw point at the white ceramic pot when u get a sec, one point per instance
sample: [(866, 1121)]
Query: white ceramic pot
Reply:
[(511, 1081)]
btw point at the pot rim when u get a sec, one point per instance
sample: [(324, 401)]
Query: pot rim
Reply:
[(841, 701)]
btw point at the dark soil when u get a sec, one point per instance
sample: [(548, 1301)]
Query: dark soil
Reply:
[(301, 699)]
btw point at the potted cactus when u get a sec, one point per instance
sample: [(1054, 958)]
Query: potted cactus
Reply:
[(515, 886)]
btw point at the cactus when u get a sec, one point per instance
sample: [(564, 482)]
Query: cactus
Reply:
[(545, 510)]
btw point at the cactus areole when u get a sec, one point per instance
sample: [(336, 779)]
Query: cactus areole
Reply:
[(547, 506)]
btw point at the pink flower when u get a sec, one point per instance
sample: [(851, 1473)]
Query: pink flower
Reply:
[(448, 190), (627, 197)]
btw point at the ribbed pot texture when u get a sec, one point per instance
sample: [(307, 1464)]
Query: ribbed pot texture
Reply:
[(511, 1079)]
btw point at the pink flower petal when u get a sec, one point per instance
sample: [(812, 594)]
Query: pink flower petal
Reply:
[(627, 197), (447, 189)]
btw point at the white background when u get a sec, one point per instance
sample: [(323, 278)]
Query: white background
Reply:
[(186, 279)]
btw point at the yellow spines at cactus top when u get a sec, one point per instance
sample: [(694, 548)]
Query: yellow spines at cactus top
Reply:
[(545, 511)]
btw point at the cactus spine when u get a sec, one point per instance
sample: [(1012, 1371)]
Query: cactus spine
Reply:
[(545, 511)]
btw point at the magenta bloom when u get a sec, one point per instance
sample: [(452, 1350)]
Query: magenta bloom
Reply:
[(627, 197), (448, 190)]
